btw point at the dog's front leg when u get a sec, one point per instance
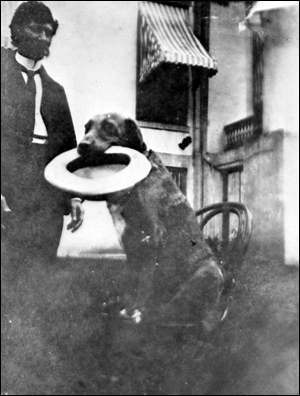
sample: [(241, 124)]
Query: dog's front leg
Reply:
[(150, 262), (145, 287), (150, 248), (140, 292)]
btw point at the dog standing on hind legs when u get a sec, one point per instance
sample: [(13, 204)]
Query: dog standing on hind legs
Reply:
[(173, 275)]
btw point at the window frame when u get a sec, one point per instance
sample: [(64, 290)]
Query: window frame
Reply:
[(183, 4)]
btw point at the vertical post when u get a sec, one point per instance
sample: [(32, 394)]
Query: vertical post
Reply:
[(258, 80), (226, 213), (240, 186), (202, 10)]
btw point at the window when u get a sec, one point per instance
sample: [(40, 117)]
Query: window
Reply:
[(163, 96), (167, 49), (180, 177)]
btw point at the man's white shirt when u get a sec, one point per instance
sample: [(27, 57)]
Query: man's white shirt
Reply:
[(39, 127)]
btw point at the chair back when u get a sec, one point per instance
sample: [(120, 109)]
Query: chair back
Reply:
[(230, 248)]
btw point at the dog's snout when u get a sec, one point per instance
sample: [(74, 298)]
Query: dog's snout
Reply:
[(84, 146), (85, 143)]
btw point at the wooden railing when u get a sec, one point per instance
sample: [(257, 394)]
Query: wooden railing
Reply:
[(238, 132)]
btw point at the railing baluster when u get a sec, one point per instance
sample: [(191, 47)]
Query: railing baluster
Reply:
[(237, 132)]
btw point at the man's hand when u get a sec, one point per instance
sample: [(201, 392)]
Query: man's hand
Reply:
[(77, 214), (5, 209)]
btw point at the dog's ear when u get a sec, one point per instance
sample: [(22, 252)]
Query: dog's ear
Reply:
[(133, 137)]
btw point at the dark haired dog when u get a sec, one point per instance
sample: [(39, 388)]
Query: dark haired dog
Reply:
[(174, 276)]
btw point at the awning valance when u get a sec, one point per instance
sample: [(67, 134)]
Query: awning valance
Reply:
[(166, 36)]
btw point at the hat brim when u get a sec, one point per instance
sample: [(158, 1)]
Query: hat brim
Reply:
[(118, 169)]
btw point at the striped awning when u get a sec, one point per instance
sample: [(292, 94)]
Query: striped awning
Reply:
[(166, 36)]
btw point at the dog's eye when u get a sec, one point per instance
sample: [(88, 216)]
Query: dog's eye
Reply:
[(88, 127), (109, 128)]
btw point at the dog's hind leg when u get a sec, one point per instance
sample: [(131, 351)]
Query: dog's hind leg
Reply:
[(198, 302)]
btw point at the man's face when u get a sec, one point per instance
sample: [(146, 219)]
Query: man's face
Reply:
[(36, 41)]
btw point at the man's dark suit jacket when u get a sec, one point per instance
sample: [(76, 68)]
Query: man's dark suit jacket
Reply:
[(17, 151)]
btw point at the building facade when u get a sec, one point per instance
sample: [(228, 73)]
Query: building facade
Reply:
[(255, 155)]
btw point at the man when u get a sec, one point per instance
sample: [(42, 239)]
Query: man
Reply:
[(36, 126)]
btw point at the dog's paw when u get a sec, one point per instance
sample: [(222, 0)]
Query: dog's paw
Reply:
[(135, 316), (124, 314)]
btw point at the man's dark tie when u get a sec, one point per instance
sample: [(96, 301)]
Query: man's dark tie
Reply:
[(29, 100)]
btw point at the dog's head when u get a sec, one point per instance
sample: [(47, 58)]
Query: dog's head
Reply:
[(111, 129)]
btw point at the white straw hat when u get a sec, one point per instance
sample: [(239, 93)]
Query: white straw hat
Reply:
[(119, 169)]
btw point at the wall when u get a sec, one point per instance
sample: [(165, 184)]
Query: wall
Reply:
[(94, 56), (281, 111), (281, 59), (230, 91), (262, 179), (7, 9)]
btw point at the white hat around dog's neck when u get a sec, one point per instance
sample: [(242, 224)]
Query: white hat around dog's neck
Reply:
[(96, 182)]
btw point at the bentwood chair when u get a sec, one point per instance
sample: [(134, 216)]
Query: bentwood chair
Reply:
[(227, 228)]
